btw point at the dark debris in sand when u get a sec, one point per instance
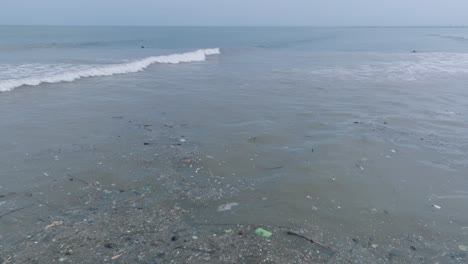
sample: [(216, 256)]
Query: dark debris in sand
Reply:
[(152, 222)]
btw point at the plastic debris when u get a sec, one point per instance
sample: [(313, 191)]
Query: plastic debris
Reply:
[(463, 247), (262, 232), (436, 206), (54, 224), (226, 207), (116, 256)]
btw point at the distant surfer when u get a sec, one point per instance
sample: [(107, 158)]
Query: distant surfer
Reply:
[(142, 46), (414, 51)]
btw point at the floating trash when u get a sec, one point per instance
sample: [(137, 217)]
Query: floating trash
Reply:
[(262, 232), (226, 207), (54, 224), (463, 247)]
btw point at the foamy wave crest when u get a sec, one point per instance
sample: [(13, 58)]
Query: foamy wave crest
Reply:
[(402, 67), (107, 70)]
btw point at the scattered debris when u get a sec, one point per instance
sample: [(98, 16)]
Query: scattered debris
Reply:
[(262, 232), (275, 168), (226, 207), (116, 256), (308, 239), (359, 166), (463, 247), (436, 206), (54, 224)]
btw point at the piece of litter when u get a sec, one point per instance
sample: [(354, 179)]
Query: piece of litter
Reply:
[(54, 224), (463, 247), (375, 245), (116, 256), (195, 237), (62, 259), (262, 232), (436, 206), (226, 207), (393, 151), (182, 140)]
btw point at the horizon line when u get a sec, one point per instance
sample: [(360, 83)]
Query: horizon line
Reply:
[(253, 26)]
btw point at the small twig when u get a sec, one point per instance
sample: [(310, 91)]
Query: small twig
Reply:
[(16, 210), (309, 239), (204, 251), (83, 181), (274, 168)]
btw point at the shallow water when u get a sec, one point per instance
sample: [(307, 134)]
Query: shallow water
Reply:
[(344, 128)]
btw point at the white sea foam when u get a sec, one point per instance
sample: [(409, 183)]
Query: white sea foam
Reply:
[(68, 73), (401, 67)]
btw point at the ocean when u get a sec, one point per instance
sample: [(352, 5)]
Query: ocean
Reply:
[(361, 131)]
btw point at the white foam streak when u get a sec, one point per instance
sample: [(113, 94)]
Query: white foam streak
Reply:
[(108, 70)]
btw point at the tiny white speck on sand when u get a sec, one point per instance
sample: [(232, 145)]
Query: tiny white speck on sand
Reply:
[(226, 207)]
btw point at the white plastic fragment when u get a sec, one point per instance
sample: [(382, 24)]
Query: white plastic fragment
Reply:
[(226, 207)]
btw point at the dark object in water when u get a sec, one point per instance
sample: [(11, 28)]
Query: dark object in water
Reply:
[(142, 46), (414, 51), (109, 245), (308, 239)]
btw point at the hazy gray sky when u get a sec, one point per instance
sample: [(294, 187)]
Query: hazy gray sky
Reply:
[(235, 12)]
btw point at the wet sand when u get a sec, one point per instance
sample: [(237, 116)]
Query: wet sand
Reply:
[(98, 215)]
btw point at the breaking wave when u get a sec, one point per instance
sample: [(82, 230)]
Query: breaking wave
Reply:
[(401, 67), (78, 72)]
